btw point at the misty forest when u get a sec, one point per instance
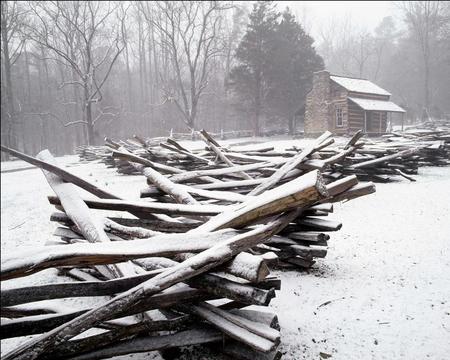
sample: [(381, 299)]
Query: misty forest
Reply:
[(74, 72)]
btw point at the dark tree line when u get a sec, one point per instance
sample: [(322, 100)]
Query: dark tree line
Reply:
[(73, 72)]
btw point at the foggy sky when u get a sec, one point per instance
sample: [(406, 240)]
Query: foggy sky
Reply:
[(364, 14)]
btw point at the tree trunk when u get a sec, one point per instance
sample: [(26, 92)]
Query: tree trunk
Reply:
[(130, 94), (10, 111), (46, 103), (291, 124), (77, 116), (427, 82), (88, 117), (257, 104)]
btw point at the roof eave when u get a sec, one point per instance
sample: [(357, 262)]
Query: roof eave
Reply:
[(402, 111)]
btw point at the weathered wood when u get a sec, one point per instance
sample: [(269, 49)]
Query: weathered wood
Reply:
[(40, 324), (243, 352), (221, 286), (401, 173), (68, 234), (354, 139), (309, 236), (68, 177), (288, 166), (82, 254), (244, 265), (300, 262), (177, 192), (151, 224), (88, 224), (342, 185), (32, 325), (208, 194), (307, 252), (98, 341), (186, 152), (145, 344), (320, 224), (301, 192), (65, 175), (401, 154), (355, 191), (218, 195), (148, 207), (238, 327), (268, 318), (188, 175), (215, 147), (139, 160), (198, 264), (339, 156), (15, 296), (216, 285), (327, 207), (231, 184), (247, 266)]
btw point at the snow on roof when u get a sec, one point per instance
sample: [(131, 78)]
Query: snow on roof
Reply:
[(359, 85), (377, 105)]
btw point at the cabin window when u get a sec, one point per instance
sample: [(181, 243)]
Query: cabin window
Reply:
[(339, 117)]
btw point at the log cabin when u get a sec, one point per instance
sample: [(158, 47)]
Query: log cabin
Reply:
[(344, 105)]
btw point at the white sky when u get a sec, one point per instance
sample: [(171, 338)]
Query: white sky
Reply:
[(364, 14)]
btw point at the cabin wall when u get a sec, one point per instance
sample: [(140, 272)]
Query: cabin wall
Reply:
[(316, 108), (338, 100), (355, 117)]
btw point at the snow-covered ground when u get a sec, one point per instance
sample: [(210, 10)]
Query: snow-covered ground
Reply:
[(382, 292)]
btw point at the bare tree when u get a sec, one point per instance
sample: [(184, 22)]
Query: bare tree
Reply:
[(80, 36), (12, 20), (425, 19), (188, 31), (362, 51)]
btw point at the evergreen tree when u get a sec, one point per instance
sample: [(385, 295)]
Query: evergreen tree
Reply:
[(292, 64), (276, 65), (253, 54)]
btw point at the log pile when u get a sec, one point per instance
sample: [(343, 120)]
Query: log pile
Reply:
[(400, 154), (200, 253), (390, 157)]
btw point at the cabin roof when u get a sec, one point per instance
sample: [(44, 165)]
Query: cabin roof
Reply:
[(359, 85), (377, 105)]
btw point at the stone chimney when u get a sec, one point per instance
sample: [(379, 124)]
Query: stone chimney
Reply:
[(316, 110)]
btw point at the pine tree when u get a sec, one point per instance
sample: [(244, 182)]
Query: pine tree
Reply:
[(291, 68), (253, 53)]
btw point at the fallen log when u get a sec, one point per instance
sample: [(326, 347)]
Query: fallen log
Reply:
[(82, 254), (200, 263), (247, 332), (95, 342), (301, 192), (148, 207), (383, 159), (87, 223), (290, 165), (215, 147)]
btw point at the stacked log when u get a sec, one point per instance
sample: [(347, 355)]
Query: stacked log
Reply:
[(208, 227), (390, 157), (199, 256)]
